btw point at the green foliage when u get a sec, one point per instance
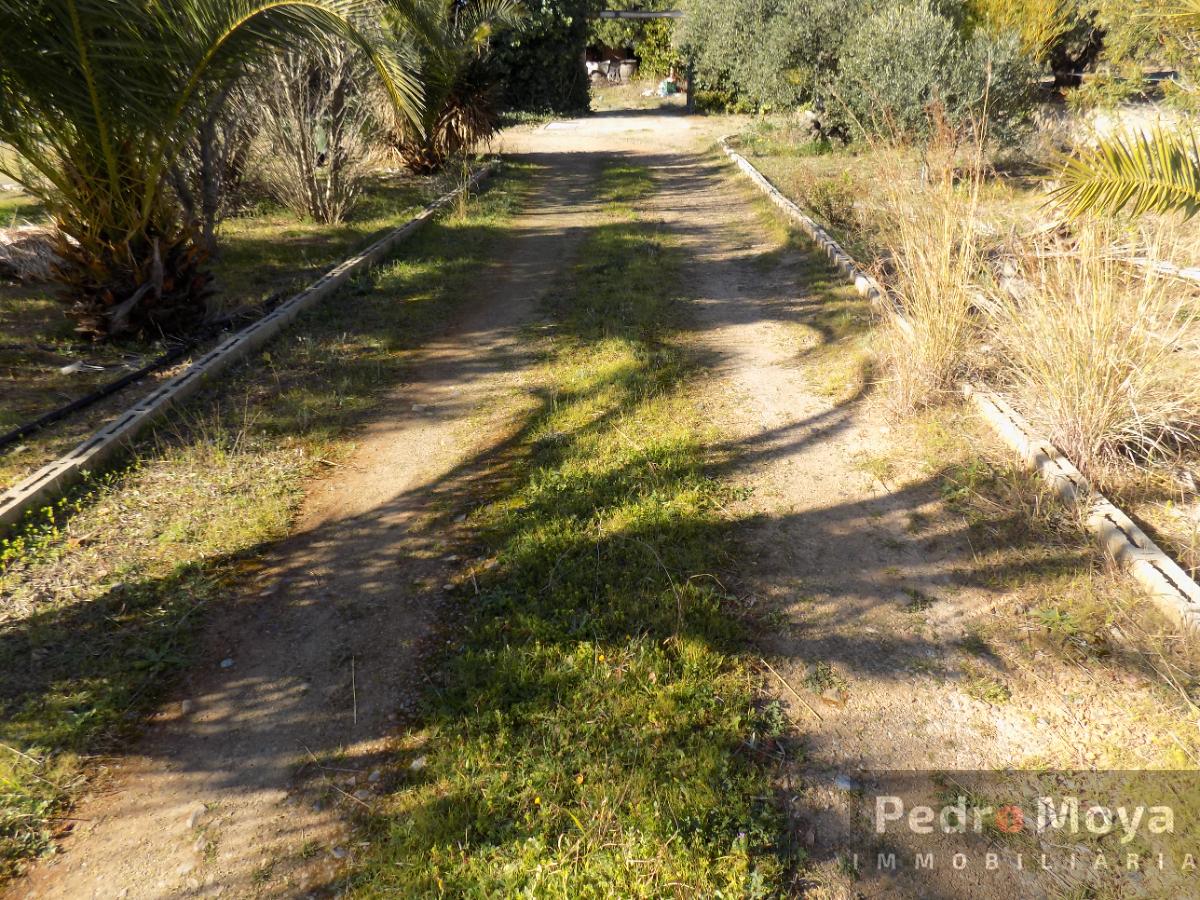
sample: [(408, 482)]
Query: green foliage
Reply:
[(541, 60), (651, 40), (1145, 172), (98, 98), (910, 67), (768, 54), (1041, 25), (1144, 33), (856, 64), (1157, 171), (457, 69), (626, 32), (656, 49)]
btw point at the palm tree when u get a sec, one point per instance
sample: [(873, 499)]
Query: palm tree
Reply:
[(1155, 171), (462, 102), (99, 97)]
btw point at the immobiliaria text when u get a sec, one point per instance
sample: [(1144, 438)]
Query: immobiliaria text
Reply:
[(1049, 815)]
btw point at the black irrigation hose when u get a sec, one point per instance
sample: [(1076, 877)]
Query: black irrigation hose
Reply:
[(95, 396), (124, 381)]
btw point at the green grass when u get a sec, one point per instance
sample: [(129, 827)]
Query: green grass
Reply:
[(592, 732), (104, 594), (18, 209), (268, 253), (273, 251), (984, 687)]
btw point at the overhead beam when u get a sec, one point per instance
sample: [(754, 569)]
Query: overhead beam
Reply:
[(640, 14)]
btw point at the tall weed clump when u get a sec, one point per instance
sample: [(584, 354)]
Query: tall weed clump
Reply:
[(1095, 351), (935, 257)]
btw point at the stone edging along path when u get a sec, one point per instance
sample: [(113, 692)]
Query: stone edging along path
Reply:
[(114, 437), (1166, 583)]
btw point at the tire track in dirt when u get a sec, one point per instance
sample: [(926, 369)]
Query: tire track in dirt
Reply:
[(244, 787), (860, 590), (826, 545)]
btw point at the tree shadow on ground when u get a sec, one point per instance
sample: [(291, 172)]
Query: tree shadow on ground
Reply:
[(568, 562)]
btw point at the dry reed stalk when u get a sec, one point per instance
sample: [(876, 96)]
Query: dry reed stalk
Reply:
[(1097, 353), (935, 258)]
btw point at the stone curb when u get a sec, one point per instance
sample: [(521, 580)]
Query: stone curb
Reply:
[(866, 285), (1166, 583), (114, 437)]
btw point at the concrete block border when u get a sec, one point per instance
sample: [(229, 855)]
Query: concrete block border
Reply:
[(1162, 267), (864, 283), (1166, 583), (115, 436)]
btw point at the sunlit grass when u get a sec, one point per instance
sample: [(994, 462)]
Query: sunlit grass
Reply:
[(104, 594), (593, 733)]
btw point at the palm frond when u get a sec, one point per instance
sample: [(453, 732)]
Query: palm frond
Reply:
[(99, 97), (450, 41), (1183, 12), (1145, 172)]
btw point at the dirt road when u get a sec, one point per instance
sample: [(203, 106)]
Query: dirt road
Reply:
[(249, 772), (245, 779)]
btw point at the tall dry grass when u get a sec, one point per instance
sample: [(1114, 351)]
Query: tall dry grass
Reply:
[(935, 259), (1098, 354)]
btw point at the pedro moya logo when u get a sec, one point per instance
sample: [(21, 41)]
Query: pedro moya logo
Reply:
[(1133, 828), (1048, 814)]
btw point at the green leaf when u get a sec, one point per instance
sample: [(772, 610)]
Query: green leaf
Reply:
[(1157, 171)]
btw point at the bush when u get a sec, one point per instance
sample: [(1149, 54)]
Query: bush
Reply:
[(656, 51), (314, 117), (767, 54), (541, 61), (910, 65), (833, 200), (1047, 29)]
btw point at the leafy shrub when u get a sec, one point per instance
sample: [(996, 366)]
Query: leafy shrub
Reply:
[(541, 60), (1145, 33), (909, 62), (1045, 28), (656, 50), (768, 54)]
